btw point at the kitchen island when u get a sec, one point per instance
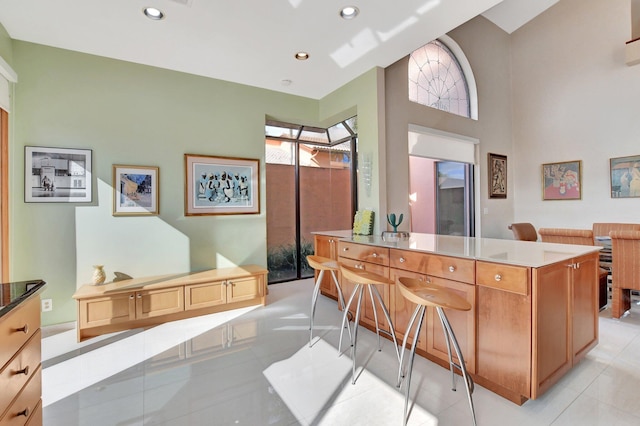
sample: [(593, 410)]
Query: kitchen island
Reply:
[(534, 305)]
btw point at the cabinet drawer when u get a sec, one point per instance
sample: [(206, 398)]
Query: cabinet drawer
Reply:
[(371, 267), (26, 403), (17, 327), (510, 278), (19, 370), (451, 268), (371, 254), (163, 301)]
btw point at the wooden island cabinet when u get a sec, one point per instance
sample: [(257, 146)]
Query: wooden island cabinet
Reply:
[(534, 305), (149, 301)]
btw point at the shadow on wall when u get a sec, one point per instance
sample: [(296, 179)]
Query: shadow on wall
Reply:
[(137, 246)]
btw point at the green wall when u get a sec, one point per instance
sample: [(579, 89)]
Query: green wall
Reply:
[(139, 115)]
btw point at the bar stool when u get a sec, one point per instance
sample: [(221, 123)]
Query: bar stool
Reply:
[(363, 278), (322, 264), (423, 295)]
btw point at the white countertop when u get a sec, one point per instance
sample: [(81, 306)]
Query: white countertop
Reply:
[(521, 253)]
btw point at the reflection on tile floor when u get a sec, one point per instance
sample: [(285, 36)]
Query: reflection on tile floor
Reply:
[(254, 367)]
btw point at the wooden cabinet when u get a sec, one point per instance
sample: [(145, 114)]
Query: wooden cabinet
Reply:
[(145, 302), (20, 370), (534, 324), (531, 321), (326, 246)]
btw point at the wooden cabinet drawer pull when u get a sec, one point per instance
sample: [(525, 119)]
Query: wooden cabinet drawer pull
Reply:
[(131, 297), (402, 260), (498, 277), (24, 371), (24, 329), (375, 254), (345, 249), (452, 268), (24, 412), (139, 296)]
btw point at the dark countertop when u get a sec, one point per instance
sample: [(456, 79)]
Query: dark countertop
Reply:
[(12, 294)]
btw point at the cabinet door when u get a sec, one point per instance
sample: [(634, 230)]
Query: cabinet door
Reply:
[(113, 309), (503, 304), (584, 294), (246, 288), (325, 246), (462, 323), (551, 322), (198, 296), (163, 301), (402, 309)]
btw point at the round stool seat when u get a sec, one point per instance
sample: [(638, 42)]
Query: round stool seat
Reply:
[(320, 263), (427, 294), (360, 276), (424, 294)]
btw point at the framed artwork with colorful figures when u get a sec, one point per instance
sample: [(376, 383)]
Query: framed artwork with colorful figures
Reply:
[(221, 185), (562, 181)]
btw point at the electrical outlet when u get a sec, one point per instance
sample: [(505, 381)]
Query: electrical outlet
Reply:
[(47, 305)]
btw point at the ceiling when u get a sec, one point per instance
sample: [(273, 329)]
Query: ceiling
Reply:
[(253, 42)]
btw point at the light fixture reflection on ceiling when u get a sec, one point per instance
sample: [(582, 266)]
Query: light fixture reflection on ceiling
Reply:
[(153, 13), (349, 12), (302, 56)]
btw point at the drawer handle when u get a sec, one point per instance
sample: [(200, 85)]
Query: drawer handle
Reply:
[(402, 260), (24, 412), (139, 296), (24, 329), (24, 371), (331, 241), (452, 268), (345, 249), (375, 254), (131, 297), (230, 283), (428, 280), (498, 277)]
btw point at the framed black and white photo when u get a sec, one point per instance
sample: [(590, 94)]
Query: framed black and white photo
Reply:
[(57, 175), (135, 190), (221, 185)]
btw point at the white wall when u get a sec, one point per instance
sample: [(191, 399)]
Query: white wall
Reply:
[(574, 99)]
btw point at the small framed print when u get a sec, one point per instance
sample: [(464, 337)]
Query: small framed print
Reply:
[(497, 176), (562, 181), (57, 175), (135, 190), (221, 185), (625, 176)]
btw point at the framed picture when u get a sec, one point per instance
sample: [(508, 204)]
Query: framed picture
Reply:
[(221, 185), (497, 176), (135, 190), (625, 177), (57, 175), (562, 181)]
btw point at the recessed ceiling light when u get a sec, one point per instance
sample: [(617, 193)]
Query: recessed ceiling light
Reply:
[(302, 56), (349, 12), (153, 13)]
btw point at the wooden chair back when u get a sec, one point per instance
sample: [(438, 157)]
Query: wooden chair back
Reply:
[(567, 236), (603, 229), (625, 268)]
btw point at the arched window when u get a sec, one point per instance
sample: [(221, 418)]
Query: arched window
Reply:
[(439, 80)]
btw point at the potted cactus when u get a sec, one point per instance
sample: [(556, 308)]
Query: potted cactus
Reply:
[(394, 235)]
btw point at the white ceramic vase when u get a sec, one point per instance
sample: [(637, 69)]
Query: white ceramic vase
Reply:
[(98, 274)]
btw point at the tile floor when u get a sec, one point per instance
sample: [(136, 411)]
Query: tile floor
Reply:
[(253, 367)]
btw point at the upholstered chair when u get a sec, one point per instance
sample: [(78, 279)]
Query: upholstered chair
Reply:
[(625, 268), (524, 231)]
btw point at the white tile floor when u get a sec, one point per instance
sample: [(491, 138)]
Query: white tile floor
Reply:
[(254, 367)]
